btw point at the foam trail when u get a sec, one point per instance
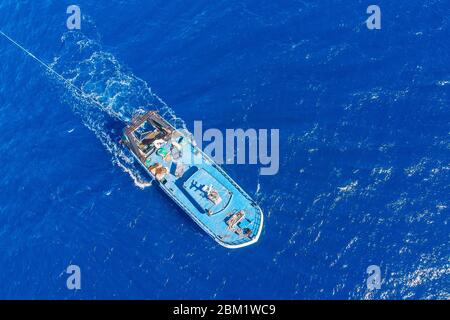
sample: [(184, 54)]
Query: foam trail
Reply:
[(102, 78), (95, 120), (121, 94), (93, 75)]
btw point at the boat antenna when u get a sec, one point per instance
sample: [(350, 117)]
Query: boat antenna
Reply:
[(51, 70)]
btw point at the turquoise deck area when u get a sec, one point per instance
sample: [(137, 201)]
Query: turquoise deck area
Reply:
[(187, 192), (194, 185)]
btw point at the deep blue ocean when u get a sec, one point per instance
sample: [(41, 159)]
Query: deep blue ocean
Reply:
[(364, 147)]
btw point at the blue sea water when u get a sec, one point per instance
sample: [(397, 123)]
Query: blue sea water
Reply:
[(364, 147)]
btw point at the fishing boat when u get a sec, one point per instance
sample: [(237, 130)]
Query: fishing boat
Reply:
[(193, 180)]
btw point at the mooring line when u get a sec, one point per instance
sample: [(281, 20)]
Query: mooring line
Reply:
[(61, 77)]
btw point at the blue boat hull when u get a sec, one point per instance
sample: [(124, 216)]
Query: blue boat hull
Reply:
[(199, 186)]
